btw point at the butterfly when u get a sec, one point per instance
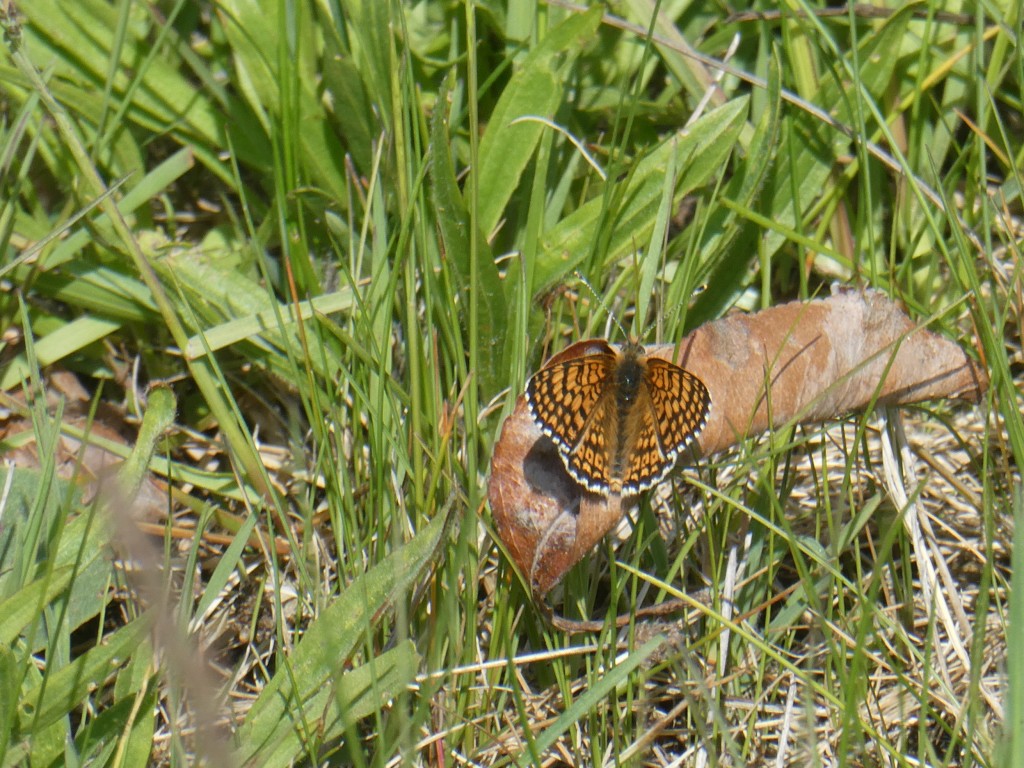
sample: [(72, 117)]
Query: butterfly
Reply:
[(619, 418)]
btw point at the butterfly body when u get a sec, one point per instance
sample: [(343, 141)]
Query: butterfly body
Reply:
[(618, 417)]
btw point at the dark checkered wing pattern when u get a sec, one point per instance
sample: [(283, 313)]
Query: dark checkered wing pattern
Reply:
[(681, 405), (612, 444), (672, 408), (569, 400), (647, 463)]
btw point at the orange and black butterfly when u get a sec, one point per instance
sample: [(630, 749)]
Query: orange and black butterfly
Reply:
[(619, 418)]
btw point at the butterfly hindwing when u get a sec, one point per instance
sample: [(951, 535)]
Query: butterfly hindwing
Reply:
[(589, 460), (648, 462)]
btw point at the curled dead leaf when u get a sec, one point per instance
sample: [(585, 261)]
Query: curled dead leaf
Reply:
[(800, 362)]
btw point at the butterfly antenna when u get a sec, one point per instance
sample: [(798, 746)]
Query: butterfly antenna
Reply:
[(604, 306), (678, 307)]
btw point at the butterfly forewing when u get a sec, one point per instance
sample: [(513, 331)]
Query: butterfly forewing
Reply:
[(562, 396), (681, 404)]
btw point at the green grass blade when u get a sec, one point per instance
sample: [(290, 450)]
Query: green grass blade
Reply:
[(586, 702), (282, 705), (68, 688), (336, 707), (702, 151), (535, 90)]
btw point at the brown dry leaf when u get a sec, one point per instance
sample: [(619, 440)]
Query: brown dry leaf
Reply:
[(800, 362)]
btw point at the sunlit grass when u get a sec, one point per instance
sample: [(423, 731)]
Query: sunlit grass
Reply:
[(343, 253)]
